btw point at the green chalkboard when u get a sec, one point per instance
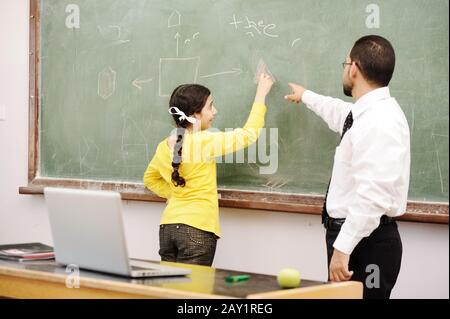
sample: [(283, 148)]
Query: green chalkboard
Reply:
[(106, 68)]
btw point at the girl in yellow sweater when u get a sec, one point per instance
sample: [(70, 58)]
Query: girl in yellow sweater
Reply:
[(183, 170)]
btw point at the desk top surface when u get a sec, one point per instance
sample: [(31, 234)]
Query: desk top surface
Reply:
[(202, 281)]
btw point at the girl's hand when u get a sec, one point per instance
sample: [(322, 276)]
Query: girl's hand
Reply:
[(264, 85)]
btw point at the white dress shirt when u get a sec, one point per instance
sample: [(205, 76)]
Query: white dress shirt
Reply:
[(371, 167)]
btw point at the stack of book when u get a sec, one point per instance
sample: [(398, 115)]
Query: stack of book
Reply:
[(26, 252)]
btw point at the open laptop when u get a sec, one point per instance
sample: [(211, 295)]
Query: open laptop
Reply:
[(88, 232)]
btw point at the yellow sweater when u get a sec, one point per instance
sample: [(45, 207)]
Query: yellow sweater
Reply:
[(197, 203)]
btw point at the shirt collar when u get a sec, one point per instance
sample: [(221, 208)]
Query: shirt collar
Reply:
[(365, 101)]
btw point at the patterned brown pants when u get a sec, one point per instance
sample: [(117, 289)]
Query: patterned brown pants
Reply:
[(185, 244)]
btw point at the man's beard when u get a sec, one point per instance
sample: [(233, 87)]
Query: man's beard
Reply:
[(347, 90)]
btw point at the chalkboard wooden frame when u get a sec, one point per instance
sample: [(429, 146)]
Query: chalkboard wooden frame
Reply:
[(424, 212)]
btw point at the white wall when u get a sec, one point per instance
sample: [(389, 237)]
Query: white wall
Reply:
[(252, 240)]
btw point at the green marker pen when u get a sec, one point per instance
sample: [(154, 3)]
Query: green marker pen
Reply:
[(237, 278)]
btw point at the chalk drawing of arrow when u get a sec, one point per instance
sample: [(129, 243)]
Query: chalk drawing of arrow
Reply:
[(177, 37), (234, 71), (137, 83)]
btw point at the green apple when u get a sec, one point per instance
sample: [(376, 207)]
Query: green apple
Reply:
[(288, 278)]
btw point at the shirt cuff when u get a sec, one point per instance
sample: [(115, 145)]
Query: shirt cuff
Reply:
[(346, 243), (309, 97)]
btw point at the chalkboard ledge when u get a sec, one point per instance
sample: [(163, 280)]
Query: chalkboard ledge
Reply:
[(422, 212)]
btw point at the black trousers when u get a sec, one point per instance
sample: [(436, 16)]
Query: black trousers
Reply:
[(375, 260), (185, 244)]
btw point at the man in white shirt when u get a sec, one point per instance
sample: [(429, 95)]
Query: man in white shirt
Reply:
[(370, 178)]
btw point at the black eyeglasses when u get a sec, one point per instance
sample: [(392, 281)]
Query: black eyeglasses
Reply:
[(350, 63), (346, 63)]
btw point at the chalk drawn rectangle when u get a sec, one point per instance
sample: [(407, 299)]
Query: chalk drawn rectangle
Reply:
[(185, 69)]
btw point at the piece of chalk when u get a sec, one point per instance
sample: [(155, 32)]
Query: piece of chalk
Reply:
[(237, 278)]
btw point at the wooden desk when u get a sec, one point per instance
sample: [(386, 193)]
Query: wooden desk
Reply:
[(48, 280)]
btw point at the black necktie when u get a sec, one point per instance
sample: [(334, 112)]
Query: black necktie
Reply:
[(347, 125)]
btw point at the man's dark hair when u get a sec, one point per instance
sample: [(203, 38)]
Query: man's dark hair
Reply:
[(375, 58)]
